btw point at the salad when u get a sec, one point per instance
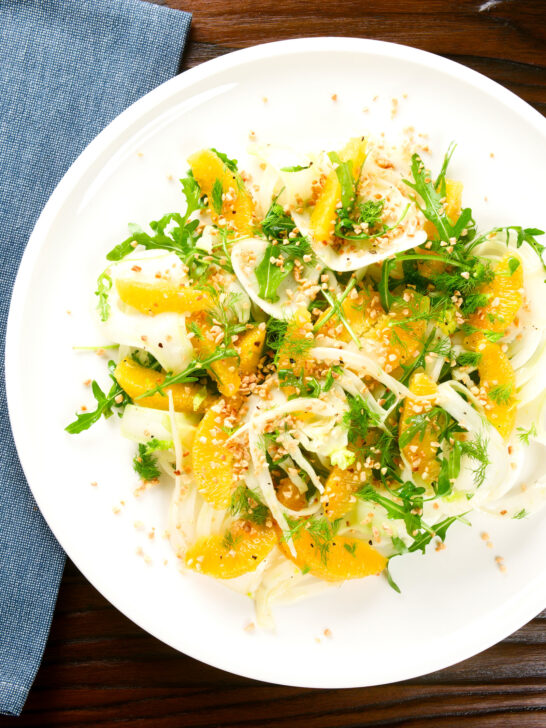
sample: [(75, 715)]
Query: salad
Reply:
[(328, 361)]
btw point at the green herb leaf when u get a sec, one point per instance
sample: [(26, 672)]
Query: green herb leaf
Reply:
[(469, 359), (191, 373), (359, 418), (295, 168), (145, 463), (246, 503), (217, 193), (525, 435), (501, 394)]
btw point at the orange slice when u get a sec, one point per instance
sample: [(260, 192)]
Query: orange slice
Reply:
[(250, 347), (497, 387), (361, 311), (162, 297), (290, 496), (323, 217), (346, 558), (420, 451), (339, 492), (400, 339), (212, 460), (296, 343), (505, 298), (238, 551), (237, 205), (135, 380), (205, 342)]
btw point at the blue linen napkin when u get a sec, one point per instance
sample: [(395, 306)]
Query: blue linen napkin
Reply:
[(67, 68)]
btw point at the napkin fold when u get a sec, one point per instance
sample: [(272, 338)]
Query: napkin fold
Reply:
[(67, 68)]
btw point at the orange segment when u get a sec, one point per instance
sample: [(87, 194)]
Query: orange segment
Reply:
[(361, 311), (136, 380), (400, 340), (162, 297), (420, 452), (346, 558), (290, 496), (238, 551), (205, 343), (323, 217), (454, 199), (505, 298), (250, 346), (237, 204), (212, 460), (297, 341), (339, 492), (497, 387)]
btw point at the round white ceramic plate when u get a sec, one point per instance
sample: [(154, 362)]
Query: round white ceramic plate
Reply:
[(454, 603)]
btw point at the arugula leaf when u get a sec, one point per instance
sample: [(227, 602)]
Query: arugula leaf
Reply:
[(247, 504), (104, 285), (231, 164), (217, 192), (105, 403), (390, 580), (513, 265), (192, 193), (407, 510), (433, 208), (344, 171), (439, 530), (523, 235), (173, 232), (281, 255)]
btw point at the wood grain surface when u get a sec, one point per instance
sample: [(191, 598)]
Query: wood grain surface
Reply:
[(99, 669)]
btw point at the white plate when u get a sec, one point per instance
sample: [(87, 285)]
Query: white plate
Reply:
[(454, 602)]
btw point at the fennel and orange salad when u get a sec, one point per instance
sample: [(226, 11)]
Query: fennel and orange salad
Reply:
[(329, 362)]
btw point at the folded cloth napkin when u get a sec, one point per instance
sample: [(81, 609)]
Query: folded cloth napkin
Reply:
[(67, 68)]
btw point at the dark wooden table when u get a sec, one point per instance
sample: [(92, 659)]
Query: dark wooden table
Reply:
[(99, 669)]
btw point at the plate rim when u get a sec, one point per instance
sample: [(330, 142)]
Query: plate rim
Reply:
[(517, 610)]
